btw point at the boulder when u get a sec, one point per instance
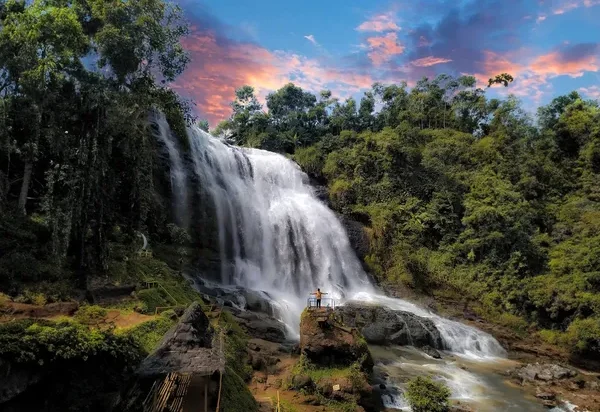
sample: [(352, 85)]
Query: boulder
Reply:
[(302, 382), (383, 326), (259, 325), (543, 372), (236, 296), (428, 350), (327, 342)]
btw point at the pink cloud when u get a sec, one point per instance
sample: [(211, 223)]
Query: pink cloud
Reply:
[(593, 92), (533, 74), (379, 23), (429, 61), (384, 47), (554, 64), (219, 66), (569, 5)]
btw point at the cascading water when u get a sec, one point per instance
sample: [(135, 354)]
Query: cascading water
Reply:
[(276, 236), (163, 132)]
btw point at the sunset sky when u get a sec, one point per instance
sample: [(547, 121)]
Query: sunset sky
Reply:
[(551, 47)]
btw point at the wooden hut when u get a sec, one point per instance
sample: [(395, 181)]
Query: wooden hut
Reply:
[(183, 374)]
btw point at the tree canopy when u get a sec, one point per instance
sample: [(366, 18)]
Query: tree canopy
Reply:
[(461, 194)]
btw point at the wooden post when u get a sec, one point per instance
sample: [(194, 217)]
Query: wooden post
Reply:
[(205, 395), (278, 407)]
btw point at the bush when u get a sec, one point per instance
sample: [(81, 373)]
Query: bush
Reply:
[(4, 299), (90, 315), (149, 334), (43, 342), (583, 337), (425, 395), (310, 160)]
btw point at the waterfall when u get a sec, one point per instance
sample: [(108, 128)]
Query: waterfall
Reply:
[(179, 186), (276, 236)]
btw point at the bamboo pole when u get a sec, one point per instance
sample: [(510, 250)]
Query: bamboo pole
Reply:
[(205, 395)]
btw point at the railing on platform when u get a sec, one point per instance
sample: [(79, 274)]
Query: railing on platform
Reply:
[(325, 303)]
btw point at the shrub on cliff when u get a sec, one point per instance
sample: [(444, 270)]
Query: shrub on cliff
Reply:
[(425, 395)]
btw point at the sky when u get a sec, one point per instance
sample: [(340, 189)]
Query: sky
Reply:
[(551, 47)]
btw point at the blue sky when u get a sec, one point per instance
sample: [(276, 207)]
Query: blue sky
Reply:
[(550, 47)]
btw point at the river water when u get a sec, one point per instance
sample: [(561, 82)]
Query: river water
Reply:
[(276, 236)]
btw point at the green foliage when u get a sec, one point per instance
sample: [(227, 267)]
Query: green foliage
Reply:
[(45, 342), (90, 315), (149, 334), (68, 129), (235, 341), (235, 393), (310, 159), (425, 395), (284, 405)]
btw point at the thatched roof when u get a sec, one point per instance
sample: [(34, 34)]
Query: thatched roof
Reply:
[(191, 346)]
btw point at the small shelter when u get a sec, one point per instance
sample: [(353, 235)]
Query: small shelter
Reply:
[(183, 373)]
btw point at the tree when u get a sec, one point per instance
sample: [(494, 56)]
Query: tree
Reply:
[(203, 125), (502, 79), (40, 47), (548, 115)]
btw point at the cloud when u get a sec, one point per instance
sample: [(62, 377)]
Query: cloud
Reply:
[(382, 48), (429, 61), (570, 61), (462, 34), (592, 92), (219, 65), (533, 73), (311, 39), (569, 5), (380, 23)]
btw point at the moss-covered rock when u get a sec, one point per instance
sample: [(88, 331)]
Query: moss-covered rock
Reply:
[(325, 341)]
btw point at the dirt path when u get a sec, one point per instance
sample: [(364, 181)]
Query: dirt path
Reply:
[(127, 320), (14, 311), (265, 385)]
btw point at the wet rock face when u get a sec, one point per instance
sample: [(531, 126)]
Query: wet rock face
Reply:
[(383, 326), (327, 342), (357, 236), (236, 296)]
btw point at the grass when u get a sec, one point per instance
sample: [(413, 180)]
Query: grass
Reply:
[(149, 334), (235, 395), (284, 405)]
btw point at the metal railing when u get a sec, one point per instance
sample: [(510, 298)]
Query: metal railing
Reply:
[(325, 303)]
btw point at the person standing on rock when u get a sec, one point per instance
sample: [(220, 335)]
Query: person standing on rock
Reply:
[(318, 294)]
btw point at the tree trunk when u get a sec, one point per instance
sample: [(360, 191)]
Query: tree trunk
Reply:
[(25, 186)]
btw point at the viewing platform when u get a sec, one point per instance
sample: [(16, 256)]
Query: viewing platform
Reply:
[(325, 303)]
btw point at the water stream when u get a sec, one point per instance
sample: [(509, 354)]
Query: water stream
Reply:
[(276, 236)]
